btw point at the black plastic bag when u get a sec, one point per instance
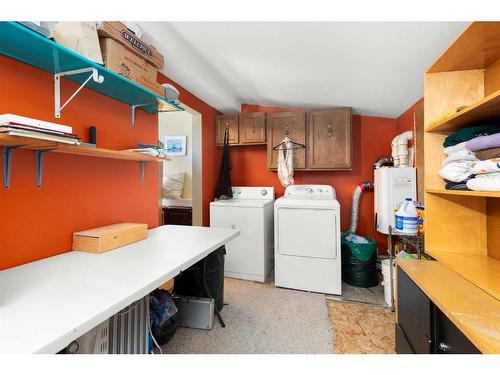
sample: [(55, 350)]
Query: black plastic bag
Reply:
[(356, 272)]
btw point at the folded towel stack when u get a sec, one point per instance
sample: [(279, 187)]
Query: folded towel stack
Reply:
[(472, 159)]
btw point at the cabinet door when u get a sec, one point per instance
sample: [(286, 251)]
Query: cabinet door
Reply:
[(329, 139), (449, 339), (253, 127), (227, 122), (280, 125), (414, 314), (402, 344)]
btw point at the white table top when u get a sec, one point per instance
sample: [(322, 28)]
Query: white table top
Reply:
[(44, 305)]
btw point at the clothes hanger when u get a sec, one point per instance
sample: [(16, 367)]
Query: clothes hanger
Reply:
[(295, 146)]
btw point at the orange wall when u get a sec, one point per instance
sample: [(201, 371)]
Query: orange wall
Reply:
[(77, 192), (371, 140), (210, 153), (405, 120)]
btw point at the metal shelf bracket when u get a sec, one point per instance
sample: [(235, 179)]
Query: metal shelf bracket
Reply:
[(95, 76), (39, 165), (7, 164), (132, 111), (142, 163)]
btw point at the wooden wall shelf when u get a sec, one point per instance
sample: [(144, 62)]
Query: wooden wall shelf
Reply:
[(9, 143), (37, 144), (465, 193), (484, 109)]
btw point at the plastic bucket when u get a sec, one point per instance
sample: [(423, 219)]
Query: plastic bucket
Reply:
[(386, 269)]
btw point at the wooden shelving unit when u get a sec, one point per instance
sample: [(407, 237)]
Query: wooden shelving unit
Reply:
[(484, 109), (10, 143), (483, 271), (471, 309), (487, 194), (463, 227)]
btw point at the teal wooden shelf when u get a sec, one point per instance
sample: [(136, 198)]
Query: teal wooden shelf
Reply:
[(26, 45)]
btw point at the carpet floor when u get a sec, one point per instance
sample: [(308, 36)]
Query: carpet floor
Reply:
[(261, 319)]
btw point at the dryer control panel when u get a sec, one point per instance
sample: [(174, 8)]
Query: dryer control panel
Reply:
[(253, 192), (310, 192)]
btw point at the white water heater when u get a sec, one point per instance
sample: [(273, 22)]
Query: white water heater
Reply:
[(392, 186)]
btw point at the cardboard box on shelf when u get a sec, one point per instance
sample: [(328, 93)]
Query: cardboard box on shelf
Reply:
[(120, 60), (119, 32), (80, 37)]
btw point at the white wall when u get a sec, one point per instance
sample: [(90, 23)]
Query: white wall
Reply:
[(179, 123)]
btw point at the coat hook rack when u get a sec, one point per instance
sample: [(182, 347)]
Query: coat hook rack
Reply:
[(95, 76)]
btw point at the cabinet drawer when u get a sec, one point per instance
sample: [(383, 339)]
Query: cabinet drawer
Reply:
[(449, 339), (415, 312)]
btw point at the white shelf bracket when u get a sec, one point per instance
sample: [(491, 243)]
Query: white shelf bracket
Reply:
[(133, 107), (95, 76)]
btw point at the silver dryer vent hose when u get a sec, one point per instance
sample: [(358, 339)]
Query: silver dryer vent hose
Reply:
[(356, 195)]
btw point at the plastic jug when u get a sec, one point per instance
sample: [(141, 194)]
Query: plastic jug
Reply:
[(407, 218)]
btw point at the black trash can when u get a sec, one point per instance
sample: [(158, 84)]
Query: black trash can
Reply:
[(208, 273), (359, 263)]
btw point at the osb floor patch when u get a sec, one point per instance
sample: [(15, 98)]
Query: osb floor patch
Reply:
[(360, 328)]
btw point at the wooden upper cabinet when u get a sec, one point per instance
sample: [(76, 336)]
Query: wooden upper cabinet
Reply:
[(329, 139), (280, 125), (253, 128), (230, 122)]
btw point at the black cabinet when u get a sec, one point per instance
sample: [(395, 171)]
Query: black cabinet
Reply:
[(414, 314), (402, 344), (449, 339), (422, 328), (177, 215)]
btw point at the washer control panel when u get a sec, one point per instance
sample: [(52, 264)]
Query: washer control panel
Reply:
[(253, 192), (310, 192)]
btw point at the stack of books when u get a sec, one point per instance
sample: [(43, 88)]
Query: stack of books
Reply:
[(26, 127), (152, 150)]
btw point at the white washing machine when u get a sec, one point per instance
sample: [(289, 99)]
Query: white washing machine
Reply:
[(250, 255), (307, 239)]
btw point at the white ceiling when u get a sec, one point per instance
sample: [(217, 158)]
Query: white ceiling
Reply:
[(375, 67)]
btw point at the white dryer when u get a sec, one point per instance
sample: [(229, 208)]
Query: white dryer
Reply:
[(250, 255), (307, 239)]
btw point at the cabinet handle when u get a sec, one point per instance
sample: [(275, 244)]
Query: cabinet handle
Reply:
[(227, 125), (443, 347), (287, 130), (253, 128), (330, 129)]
